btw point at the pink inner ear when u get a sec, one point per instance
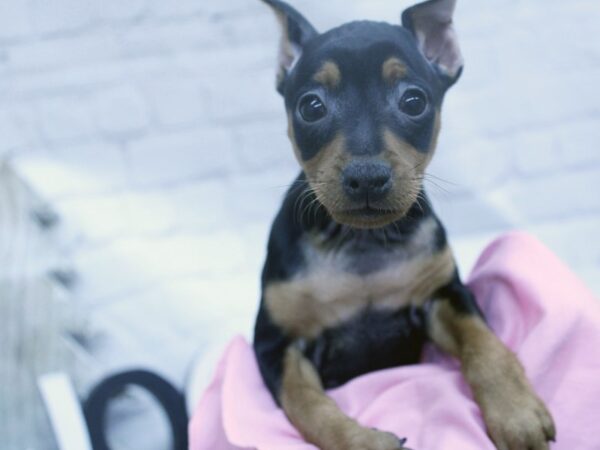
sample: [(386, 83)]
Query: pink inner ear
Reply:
[(432, 23), (289, 54), (441, 47)]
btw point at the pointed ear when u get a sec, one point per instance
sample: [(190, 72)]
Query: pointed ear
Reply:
[(296, 31), (431, 24)]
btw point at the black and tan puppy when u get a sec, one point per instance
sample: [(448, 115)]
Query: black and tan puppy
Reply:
[(358, 273)]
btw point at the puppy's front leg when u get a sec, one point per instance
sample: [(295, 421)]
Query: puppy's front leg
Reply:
[(516, 418), (317, 417)]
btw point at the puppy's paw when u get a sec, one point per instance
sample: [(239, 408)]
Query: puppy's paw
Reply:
[(370, 439), (520, 421)]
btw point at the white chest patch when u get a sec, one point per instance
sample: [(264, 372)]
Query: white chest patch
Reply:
[(327, 293)]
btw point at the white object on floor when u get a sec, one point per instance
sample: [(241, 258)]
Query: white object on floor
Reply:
[(64, 411)]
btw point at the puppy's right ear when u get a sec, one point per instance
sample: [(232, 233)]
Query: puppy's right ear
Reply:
[(296, 31), (431, 23)]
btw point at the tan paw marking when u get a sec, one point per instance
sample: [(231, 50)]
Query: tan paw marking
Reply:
[(368, 439), (519, 420)]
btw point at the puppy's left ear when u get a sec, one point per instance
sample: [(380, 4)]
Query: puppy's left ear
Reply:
[(296, 31), (431, 24)]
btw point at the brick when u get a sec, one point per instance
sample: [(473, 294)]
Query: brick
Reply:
[(483, 22), (337, 11), (573, 238), (200, 205), (17, 128), (326, 15), (233, 8), (180, 157), (169, 37), (63, 52), (523, 44), (83, 79), (563, 195), (548, 99), (455, 131), (468, 247), (510, 111), (536, 152), (248, 28), (579, 142), (119, 10), (265, 146), (174, 9), (124, 339), (208, 305), (133, 264), (121, 214), (256, 198), (149, 213), (236, 63), (98, 218), (177, 101), (473, 165), (55, 16), (482, 65), (186, 8), (66, 118), (74, 170), (240, 97), (14, 20), (120, 110), (470, 214)]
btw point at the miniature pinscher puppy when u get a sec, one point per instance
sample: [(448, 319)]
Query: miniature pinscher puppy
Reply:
[(359, 274)]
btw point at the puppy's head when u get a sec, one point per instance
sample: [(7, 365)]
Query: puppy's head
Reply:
[(363, 103)]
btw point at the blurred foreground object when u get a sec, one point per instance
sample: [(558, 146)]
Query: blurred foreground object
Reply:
[(37, 317), (64, 411)]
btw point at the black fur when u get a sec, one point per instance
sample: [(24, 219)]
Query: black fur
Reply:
[(370, 341), (360, 113), (374, 340), (358, 108)]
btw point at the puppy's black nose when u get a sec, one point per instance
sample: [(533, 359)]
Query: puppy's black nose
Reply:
[(367, 180)]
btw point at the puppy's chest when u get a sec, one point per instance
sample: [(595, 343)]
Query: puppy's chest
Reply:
[(335, 286)]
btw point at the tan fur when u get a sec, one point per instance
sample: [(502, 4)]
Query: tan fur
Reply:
[(515, 417), (408, 166), (329, 75), (323, 172), (393, 70), (317, 417), (328, 294)]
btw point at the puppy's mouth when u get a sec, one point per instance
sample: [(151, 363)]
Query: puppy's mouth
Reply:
[(367, 216), (368, 211)]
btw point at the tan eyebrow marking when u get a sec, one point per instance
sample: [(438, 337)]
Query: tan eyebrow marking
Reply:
[(329, 75), (393, 69)]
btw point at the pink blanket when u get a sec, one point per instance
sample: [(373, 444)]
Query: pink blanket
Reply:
[(534, 304)]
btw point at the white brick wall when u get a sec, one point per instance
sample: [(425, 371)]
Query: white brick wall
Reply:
[(154, 128)]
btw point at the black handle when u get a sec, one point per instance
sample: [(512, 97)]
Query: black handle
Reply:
[(171, 400)]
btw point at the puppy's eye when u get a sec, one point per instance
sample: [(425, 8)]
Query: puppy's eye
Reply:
[(312, 108), (413, 102)]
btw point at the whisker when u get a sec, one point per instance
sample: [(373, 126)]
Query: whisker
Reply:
[(437, 186), (429, 174), (299, 203)]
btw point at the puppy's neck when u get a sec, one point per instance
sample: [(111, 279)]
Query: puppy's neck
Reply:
[(314, 219)]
